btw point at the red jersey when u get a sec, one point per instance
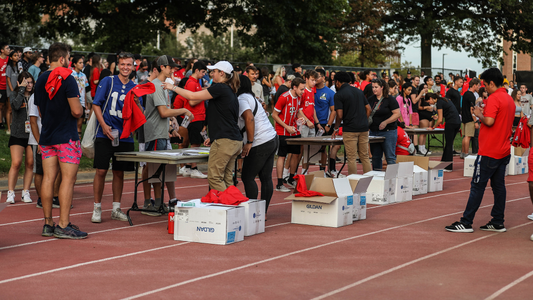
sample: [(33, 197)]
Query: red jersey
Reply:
[(403, 140), (179, 73), (198, 110), (3, 66), (288, 107), (308, 104), (356, 84), (96, 76), (364, 83), (494, 140)]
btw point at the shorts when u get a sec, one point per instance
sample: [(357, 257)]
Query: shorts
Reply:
[(104, 151), (194, 129), (283, 148), (425, 115), (469, 129), (88, 98), (17, 141), (67, 153), (37, 161), (415, 119), (306, 131), (155, 145), (3, 96)]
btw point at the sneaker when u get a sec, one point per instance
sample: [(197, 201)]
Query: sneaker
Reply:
[(48, 230), (26, 196), (459, 227), (10, 197), (8, 132), (530, 217), (334, 174), (55, 202), (283, 189), (180, 170), (286, 173), (39, 203), (186, 172), (456, 153), (493, 227), (428, 153), (69, 232), (531, 238), (152, 211), (97, 215), (117, 214), (418, 152), (197, 174), (292, 184)]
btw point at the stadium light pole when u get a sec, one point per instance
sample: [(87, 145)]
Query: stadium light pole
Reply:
[(443, 64)]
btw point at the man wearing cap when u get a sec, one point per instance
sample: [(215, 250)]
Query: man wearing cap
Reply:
[(297, 68), (26, 58)]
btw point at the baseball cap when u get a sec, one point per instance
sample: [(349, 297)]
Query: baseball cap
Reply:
[(27, 49), (223, 66), (165, 60)]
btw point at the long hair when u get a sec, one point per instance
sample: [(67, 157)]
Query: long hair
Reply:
[(232, 80), (382, 83), (245, 86), (279, 72), (25, 75), (95, 65), (514, 94), (12, 62)]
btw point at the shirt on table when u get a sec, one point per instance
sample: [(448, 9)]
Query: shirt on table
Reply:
[(454, 95), (494, 140), (58, 124), (469, 101), (112, 113), (155, 126), (449, 111), (353, 103), (264, 131), (3, 66), (223, 113), (383, 112), (82, 82), (287, 107), (323, 101), (308, 104), (33, 111)]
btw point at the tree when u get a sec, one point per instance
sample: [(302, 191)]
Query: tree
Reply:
[(19, 23)]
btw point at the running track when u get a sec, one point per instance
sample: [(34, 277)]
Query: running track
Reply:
[(400, 252)]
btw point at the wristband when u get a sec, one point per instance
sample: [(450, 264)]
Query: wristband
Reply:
[(249, 142), (327, 125)]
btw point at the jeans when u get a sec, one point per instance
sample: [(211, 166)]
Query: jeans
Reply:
[(260, 161), (388, 147), (487, 168), (450, 131), (356, 143)]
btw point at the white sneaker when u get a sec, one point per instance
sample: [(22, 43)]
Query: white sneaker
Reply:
[(531, 238), (285, 173), (334, 174), (26, 196), (97, 215), (186, 172), (197, 174), (530, 217), (283, 189), (117, 214), (10, 197), (180, 170)]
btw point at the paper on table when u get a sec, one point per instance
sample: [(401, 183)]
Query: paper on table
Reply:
[(167, 153), (329, 138)]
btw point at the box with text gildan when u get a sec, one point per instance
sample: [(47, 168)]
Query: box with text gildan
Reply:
[(382, 189), (211, 224), (334, 209)]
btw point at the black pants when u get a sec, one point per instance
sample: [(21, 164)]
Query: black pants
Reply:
[(450, 130), (260, 161)]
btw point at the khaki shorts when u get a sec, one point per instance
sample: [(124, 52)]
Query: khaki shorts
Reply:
[(469, 129)]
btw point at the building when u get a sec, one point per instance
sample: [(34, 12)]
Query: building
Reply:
[(513, 61)]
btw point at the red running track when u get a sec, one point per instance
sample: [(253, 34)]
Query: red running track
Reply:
[(401, 251)]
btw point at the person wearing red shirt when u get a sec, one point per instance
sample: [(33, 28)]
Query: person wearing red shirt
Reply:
[(4, 52), (367, 78), (403, 142), (309, 112), (493, 156), (286, 111)]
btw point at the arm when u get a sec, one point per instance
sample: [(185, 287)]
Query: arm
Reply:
[(275, 116), (35, 128), (75, 107), (395, 115), (332, 116), (439, 117), (308, 122), (18, 101), (194, 97), (478, 111), (248, 117), (267, 82), (166, 112), (97, 110), (337, 123)]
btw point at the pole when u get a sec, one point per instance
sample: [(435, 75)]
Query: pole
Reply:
[(443, 64), (231, 43)]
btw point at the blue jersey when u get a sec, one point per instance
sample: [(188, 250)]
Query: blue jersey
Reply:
[(113, 111), (323, 101)]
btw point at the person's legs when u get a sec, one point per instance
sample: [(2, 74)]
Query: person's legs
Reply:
[(69, 173), (265, 175), (16, 161), (497, 182), (450, 130), (28, 165), (50, 169), (118, 185), (389, 146), (350, 146), (377, 152), (233, 149), (422, 138), (362, 146), (8, 116), (222, 151), (251, 166)]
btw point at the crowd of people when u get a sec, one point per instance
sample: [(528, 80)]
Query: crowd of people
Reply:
[(45, 101)]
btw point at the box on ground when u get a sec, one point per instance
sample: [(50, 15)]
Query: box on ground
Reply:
[(518, 164), (469, 163), (434, 168), (254, 211), (404, 181), (359, 195), (382, 189), (420, 173), (212, 224), (171, 172), (334, 209)]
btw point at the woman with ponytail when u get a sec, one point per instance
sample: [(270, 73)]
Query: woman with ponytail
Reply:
[(222, 116)]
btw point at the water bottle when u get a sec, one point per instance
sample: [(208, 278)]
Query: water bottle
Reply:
[(204, 135), (320, 132), (171, 222), (185, 122)]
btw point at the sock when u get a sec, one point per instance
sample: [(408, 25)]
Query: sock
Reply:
[(304, 171), (97, 205), (291, 179), (286, 171), (187, 166), (147, 202), (416, 148), (116, 205), (332, 163), (195, 168), (280, 182), (322, 168), (157, 202)]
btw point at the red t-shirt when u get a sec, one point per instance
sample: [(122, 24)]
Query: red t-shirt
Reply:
[(403, 140), (199, 109), (96, 76), (494, 140), (3, 66), (179, 73), (364, 83), (288, 107), (308, 104), (356, 84)]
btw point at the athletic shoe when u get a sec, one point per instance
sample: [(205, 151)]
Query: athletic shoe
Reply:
[(493, 227), (152, 212), (428, 152), (97, 215), (8, 132), (530, 217), (117, 214), (197, 174), (48, 230), (69, 232), (10, 197), (456, 153), (39, 203), (180, 170), (531, 238), (459, 227), (333, 174), (55, 202), (292, 184), (286, 174), (186, 172), (283, 189), (26, 196), (418, 152)]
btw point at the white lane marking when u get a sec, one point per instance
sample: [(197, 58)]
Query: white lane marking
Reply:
[(40, 219), (509, 286), (297, 252), (410, 263)]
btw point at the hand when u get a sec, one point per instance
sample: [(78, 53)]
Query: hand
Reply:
[(107, 131), (434, 117), (310, 124), (167, 86), (476, 125), (478, 111), (189, 114), (320, 127), (38, 150), (23, 84), (136, 99), (175, 134), (207, 142), (246, 150), (430, 128), (334, 134), (382, 125), (291, 129)]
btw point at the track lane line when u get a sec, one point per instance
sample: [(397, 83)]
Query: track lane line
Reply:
[(509, 286)]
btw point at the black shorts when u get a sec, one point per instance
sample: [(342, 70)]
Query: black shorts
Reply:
[(37, 161), (17, 141), (284, 148), (155, 145), (104, 151), (194, 128), (3, 96), (425, 115)]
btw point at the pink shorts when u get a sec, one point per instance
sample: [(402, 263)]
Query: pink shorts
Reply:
[(530, 166), (66, 153)]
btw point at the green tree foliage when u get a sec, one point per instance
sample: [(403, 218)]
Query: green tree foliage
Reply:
[(19, 23)]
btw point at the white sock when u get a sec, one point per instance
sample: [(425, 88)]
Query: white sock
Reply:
[(422, 148), (97, 205), (116, 205)]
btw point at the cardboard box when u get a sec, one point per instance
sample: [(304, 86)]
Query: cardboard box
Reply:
[(518, 165), (359, 195), (334, 209), (254, 211), (519, 151), (171, 172), (468, 168), (382, 189), (404, 182), (434, 168), (212, 224), (420, 181)]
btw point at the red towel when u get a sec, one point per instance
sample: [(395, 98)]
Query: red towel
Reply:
[(133, 116), (231, 196), (301, 187), (55, 80), (522, 136)]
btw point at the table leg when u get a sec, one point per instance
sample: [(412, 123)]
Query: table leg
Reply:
[(134, 206), (161, 208), (343, 164)]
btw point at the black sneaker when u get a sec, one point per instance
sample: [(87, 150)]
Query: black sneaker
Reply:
[(2, 126), (69, 232), (459, 227), (493, 227), (39, 203), (48, 230), (55, 203)]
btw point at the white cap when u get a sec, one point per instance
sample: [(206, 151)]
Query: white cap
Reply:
[(223, 66), (27, 49)]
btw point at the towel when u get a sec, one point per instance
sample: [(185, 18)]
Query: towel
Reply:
[(55, 80), (131, 113)]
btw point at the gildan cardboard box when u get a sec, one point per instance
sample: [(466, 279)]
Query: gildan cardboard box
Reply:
[(359, 195), (254, 211), (404, 182), (518, 162), (171, 172), (211, 224), (468, 169), (382, 189), (334, 209), (420, 181), (434, 168)]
